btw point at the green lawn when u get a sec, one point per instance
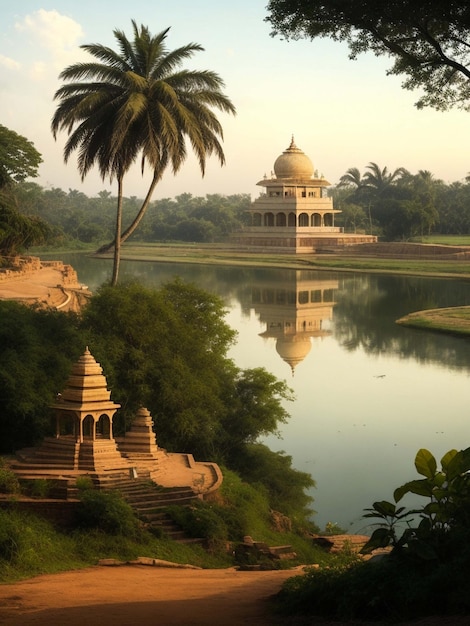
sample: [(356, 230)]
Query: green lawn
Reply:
[(446, 240)]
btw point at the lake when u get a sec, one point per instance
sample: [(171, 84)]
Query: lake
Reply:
[(368, 392)]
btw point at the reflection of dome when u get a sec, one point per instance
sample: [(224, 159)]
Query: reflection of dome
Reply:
[(293, 349), (293, 163)]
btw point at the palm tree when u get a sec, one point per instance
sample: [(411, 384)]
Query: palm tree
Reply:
[(380, 179), (352, 178), (138, 102)]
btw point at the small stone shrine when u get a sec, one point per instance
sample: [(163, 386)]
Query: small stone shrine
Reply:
[(84, 444)]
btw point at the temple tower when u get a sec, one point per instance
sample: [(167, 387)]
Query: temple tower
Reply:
[(84, 414)]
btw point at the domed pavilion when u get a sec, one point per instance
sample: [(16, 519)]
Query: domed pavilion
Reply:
[(295, 214)]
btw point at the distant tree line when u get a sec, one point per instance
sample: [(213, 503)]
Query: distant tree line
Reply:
[(395, 205), (76, 217), (399, 205)]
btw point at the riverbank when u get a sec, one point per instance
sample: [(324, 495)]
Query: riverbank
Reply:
[(44, 284), (45, 287), (385, 259)]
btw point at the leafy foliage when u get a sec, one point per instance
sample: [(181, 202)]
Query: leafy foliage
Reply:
[(37, 349), (425, 573), (428, 40), (106, 511), (444, 521), (9, 482), (398, 204), (19, 232), (19, 159)]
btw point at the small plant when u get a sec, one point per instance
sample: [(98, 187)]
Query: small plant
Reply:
[(37, 488), (9, 482), (332, 528), (84, 483), (443, 520)]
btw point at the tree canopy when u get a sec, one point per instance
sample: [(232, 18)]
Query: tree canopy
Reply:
[(19, 159), (428, 40)]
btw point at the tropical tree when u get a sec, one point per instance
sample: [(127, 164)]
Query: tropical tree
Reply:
[(138, 102), (19, 159), (427, 39), (352, 178), (381, 178), (17, 231)]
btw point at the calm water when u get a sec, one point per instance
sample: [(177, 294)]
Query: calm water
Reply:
[(369, 393)]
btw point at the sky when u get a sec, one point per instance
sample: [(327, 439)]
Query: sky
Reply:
[(341, 113)]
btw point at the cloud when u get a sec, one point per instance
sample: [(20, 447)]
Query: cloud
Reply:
[(52, 30), (55, 39), (10, 64)]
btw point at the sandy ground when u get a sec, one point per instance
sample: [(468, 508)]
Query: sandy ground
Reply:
[(133, 595), (44, 287)]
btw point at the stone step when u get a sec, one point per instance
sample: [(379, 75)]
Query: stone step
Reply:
[(148, 501)]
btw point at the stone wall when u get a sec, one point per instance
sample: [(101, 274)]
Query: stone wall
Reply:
[(59, 512)]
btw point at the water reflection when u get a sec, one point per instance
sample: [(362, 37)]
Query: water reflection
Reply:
[(294, 309)]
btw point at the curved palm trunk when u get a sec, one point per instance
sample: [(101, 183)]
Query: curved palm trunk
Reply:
[(117, 240), (138, 218)]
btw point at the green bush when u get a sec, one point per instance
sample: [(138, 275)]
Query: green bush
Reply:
[(39, 488), (107, 511), (426, 570), (203, 521), (8, 481), (83, 483), (10, 536)]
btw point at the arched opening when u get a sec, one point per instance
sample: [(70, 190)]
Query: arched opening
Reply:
[(303, 219), (303, 297), (268, 219), (281, 219), (328, 219), (66, 425), (88, 427), (256, 219), (291, 221), (316, 219), (103, 427)]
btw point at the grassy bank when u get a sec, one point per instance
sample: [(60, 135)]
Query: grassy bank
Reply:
[(454, 320), (219, 254)]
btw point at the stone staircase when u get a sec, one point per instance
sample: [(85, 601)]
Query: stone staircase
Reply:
[(148, 501)]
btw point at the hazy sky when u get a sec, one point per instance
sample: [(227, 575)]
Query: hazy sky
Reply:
[(342, 113)]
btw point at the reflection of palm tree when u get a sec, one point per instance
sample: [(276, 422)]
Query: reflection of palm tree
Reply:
[(139, 101)]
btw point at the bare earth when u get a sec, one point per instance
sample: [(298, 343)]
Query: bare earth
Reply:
[(44, 287), (136, 594), (129, 595)]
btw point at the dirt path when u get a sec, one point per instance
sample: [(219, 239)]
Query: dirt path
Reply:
[(130, 595), (149, 596)]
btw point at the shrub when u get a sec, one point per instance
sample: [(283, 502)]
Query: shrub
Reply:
[(8, 481), (10, 536), (107, 511), (202, 520)]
